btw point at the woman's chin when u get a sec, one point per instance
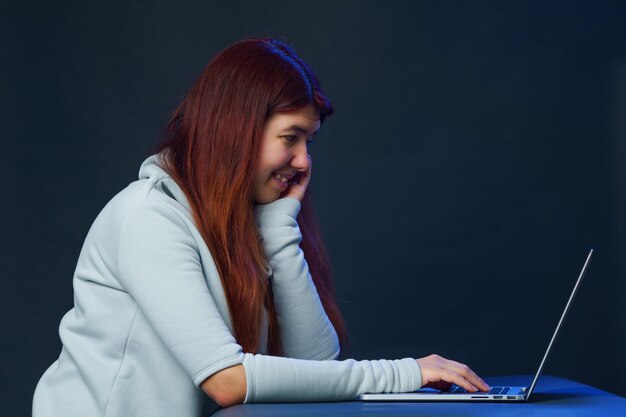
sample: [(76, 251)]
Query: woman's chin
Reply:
[(268, 198)]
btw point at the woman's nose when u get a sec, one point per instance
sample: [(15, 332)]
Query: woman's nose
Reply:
[(301, 159)]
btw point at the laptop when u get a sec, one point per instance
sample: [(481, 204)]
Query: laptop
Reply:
[(499, 393)]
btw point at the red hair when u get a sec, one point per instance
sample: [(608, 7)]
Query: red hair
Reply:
[(211, 147)]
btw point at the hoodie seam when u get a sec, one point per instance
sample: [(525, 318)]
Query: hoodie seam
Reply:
[(119, 369)]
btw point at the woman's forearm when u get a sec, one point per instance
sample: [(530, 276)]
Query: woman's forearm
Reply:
[(306, 331), (278, 379)]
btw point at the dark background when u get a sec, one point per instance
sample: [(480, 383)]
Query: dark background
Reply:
[(477, 152)]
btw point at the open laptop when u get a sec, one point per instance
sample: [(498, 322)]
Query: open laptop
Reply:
[(499, 393)]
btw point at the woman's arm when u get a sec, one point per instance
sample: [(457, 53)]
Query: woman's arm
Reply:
[(159, 266), (306, 331), (289, 380), (264, 378)]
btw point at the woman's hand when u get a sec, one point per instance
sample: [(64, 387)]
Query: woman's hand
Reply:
[(441, 373), (299, 183)]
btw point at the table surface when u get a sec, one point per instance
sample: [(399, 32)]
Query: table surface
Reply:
[(553, 396)]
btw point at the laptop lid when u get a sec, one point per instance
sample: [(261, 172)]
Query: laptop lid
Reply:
[(559, 325)]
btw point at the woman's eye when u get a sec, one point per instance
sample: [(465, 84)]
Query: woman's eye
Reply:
[(294, 139)]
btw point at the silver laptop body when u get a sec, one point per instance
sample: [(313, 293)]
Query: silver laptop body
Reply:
[(499, 393)]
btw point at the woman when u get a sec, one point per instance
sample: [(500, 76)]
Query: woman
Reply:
[(208, 275)]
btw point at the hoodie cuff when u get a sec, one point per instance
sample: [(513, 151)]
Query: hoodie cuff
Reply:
[(271, 213)]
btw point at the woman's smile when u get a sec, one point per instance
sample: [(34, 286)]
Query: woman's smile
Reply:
[(282, 185)]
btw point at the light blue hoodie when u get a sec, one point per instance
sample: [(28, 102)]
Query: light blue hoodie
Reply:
[(151, 322)]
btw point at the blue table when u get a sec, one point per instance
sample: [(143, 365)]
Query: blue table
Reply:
[(553, 396)]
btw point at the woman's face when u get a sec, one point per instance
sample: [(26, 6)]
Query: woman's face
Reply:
[(284, 151)]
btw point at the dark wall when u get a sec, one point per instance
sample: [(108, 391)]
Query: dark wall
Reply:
[(476, 154)]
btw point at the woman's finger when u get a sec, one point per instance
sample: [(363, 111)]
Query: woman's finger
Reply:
[(457, 379), (467, 373), (298, 186)]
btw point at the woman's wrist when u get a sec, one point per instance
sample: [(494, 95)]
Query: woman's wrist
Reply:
[(271, 213)]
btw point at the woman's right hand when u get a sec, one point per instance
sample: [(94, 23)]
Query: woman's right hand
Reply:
[(440, 373), (300, 182)]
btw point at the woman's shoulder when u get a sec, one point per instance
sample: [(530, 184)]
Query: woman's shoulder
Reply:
[(153, 197), (158, 185)]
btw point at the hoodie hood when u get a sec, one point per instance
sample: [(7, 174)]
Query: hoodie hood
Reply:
[(163, 182), (150, 169)]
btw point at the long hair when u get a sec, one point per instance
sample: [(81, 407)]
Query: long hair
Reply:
[(211, 149)]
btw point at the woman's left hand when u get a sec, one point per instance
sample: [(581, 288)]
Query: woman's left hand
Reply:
[(299, 183)]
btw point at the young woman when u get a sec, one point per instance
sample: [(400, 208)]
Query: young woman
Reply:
[(207, 278)]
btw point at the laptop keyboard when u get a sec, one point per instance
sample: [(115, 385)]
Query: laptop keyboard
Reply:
[(494, 390)]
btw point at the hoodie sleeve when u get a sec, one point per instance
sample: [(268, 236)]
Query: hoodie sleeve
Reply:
[(274, 379), (159, 266), (306, 331)]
